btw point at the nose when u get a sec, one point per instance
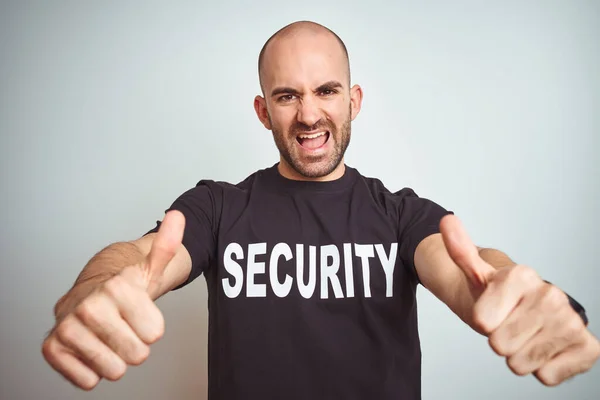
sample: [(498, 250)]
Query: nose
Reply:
[(308, 111)]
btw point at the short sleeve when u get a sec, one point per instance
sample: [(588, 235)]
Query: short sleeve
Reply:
[(418, 218), (199, 207)]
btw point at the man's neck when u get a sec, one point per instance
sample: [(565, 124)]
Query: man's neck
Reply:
[(290, 173)]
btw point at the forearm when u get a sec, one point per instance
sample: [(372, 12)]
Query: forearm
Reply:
[(104, 265), (442, 277), (528, 322)]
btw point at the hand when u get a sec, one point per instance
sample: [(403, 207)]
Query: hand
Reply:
[(527, 320), (113, 326)]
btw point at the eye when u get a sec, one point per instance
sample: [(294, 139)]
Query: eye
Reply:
[(327, 92), (287, 98)]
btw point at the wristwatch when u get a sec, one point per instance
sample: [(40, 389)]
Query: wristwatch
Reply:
[(578, 309)]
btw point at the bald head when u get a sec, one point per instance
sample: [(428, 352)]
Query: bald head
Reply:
[(299, 35)]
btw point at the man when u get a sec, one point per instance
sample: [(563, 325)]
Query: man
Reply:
[(311, 267)]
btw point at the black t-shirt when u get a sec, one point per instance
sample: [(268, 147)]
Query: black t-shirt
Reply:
[(311, 285)]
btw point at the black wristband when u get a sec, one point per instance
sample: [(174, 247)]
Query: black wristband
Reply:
[(576, 306)]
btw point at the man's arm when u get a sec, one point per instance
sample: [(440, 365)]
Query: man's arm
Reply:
[(444, 279), (108, 319), (113, 259), (526, 320), (439, 273)]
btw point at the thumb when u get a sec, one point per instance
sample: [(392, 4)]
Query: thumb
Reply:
[(464, 253), (165, 244)]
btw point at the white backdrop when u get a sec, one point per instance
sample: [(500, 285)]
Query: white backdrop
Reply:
[(110, 110)]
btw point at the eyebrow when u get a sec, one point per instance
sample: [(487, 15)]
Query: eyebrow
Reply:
[(288, 90), (329, 86), (281, 90)]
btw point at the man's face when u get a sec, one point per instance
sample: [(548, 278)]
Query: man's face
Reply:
[(308, 105)]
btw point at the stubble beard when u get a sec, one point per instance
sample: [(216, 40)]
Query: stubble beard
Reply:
[(314, 167)]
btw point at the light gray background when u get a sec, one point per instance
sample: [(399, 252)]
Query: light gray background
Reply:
[(110, 110)]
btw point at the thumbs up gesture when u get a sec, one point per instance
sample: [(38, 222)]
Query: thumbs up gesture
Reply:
[(527, 321), (113, 326)]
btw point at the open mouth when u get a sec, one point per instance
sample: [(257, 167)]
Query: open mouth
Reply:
[(313, 141)]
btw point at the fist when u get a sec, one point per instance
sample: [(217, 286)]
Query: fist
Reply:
[(527, 321), (114, 325)]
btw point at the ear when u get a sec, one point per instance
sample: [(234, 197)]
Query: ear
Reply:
[(260, 106), (356, 96)]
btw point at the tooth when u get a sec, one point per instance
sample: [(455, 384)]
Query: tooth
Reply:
[(313, 136)]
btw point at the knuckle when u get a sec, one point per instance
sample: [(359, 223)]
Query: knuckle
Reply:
[(50, 348), (67, 331), (585, 367), (499, 345), (516, 366), (140, 355), (541, 352), (573, 326), (547, 378), (115, 285), (514, 272), (555, 298), (96, 357), (116, 371), (157, 333), (88, 383), (524, 274), (158, 329), (58, 304), (479, 321), (591, 351), (87, 310), (565, 372), (596, 351)]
